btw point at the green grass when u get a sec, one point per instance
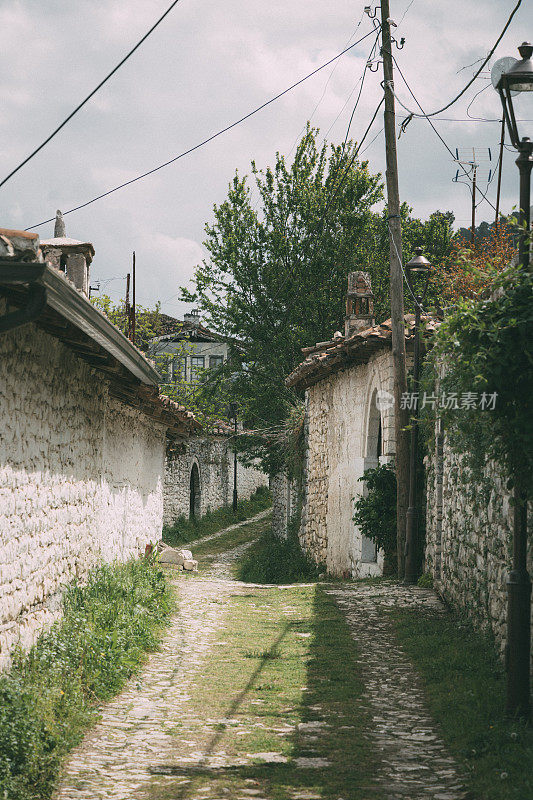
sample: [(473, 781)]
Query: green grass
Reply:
[(275, 560), (465, 687), (51, 694), (186, 530), (285, 657), (207, 551)]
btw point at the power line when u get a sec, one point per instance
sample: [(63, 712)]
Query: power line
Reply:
[(427, 116), (210, 138), (471, 81), (96, 89)]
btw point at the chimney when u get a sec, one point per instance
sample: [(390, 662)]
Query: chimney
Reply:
[(359, 304), (69, 255), (193, 318)]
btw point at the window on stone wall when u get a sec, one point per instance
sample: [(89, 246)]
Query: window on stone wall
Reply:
[(215, 361), (197, 364)]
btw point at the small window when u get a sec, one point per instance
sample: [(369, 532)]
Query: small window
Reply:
[(197, 364), (215, 361), (63, 263)]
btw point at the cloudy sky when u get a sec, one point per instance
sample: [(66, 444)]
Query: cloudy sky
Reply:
[(208, 64)]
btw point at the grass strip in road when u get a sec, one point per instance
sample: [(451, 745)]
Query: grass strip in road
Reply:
[(206, 551), (280, 703), (185, 530), (465, 687), (51, 694)]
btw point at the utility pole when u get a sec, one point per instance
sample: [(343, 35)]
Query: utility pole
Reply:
[(133, 320), (401, 416), (500, 164), (128, 309), (474, 180)]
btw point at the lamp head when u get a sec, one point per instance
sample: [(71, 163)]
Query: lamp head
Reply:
[(517, 79), (419, 265)]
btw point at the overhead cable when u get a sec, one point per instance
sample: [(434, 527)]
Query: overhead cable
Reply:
[(471, 81), (427, 116), (91, 94), (209, 138)]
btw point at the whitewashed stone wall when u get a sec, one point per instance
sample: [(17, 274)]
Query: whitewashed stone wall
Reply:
[(342, 422), (81, 479), (214, 458), (469, 538), (285, 502)]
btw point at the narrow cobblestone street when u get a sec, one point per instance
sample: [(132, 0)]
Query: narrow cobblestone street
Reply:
[(164, 736)]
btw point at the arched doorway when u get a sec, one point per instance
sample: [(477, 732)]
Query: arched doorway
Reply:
[(374, 447), (194, 496)]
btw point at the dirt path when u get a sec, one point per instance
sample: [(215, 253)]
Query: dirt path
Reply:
[(241, 702)]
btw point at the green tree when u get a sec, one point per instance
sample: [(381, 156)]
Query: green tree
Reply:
[(275, 280)]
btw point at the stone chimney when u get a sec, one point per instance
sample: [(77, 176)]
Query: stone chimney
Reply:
[(69, 255), (359, 304), (193, 318)]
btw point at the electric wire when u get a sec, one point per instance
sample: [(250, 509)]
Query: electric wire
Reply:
[(209, 138), (448, 148), (472, 80), (326, 85), (91, 94)]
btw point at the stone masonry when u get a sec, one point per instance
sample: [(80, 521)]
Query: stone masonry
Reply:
[(344, 414), (213, 458), (469, 538), (81, 479)]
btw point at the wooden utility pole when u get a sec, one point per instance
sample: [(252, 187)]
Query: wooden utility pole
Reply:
[(128, 308), (133, 309), (401, 416)]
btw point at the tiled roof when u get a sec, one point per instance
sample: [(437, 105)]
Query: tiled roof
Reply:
[(340, 352)]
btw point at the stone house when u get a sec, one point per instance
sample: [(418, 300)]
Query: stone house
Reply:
[(348, 383), (190, 348), (199, 476), (84, 433)]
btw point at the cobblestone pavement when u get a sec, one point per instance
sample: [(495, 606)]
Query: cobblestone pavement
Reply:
[(151, 723), (415, 762)]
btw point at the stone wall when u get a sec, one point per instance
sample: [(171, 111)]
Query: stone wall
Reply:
[(213, 457), (80, 479), (469, 538), (286, 503), (343, 416)]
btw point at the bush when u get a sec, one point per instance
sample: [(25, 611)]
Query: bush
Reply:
[(275, 560), (51, 693), (376, 513), (185, 530)]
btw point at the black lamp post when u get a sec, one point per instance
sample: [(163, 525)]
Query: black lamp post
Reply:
[(418, 266), (516, 80), (233, 415)]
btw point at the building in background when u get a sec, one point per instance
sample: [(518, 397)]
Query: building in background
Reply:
[(190, 348)]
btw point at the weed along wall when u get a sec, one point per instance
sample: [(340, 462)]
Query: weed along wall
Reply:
[(81, 478), (469, 538), (200, 475)]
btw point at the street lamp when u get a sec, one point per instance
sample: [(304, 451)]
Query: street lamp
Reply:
[(519, 78), (516, 80), (417, 267), (232, 413)]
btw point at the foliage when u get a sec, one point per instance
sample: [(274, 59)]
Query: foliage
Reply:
[(273, 559), (375, 513), (465, 273), (485, 346), (465, 688), (51, 693), (148, 321), (275, 280), (425, 581), (185, 530)]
